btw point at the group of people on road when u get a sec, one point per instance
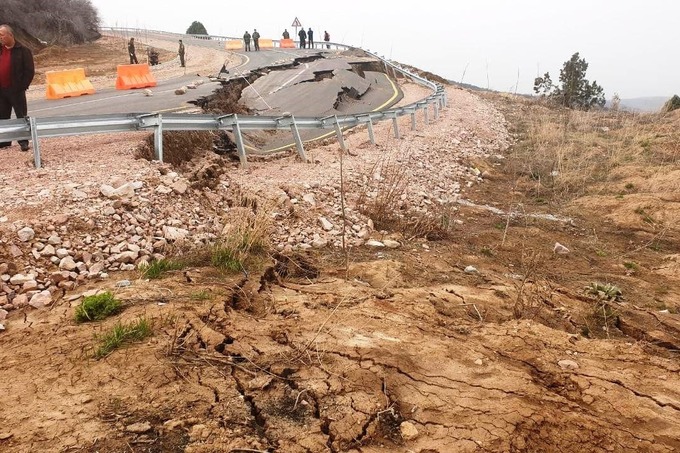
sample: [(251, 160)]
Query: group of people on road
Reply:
[(133, 52), (17, 68), (307, 38), (256, 40)]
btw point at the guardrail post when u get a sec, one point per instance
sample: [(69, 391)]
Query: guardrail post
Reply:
[(158, 138), (436, 110), (371, 136), (36, 145), (395, 125), (413, 121), (425, 112), (338, 132), (369, 125), (298, 141), (240, 146), (155, 121)]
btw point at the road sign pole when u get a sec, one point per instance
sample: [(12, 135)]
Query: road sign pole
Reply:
[(296, 23)]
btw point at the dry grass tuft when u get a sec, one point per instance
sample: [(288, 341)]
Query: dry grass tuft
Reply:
[(245, 240), (567, 153), (383, 202)]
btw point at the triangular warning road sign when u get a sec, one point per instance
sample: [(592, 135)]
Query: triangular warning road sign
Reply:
[(296, 23)]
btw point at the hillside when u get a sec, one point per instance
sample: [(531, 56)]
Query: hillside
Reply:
[(504, 278), (644, 104)]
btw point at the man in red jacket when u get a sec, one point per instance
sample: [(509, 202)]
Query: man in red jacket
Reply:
[(16, 74)]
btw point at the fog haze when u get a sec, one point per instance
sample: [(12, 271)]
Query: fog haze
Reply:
[(498, 44)]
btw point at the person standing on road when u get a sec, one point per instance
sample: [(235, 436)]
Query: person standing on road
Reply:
[(327, 38), (131, 51), (180, 52), (310, 38), (246, 40), (256, 39), (303, 36), (16, 74), (286, 35)]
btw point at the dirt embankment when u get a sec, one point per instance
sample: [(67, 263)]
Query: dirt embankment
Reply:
[(483, 339)]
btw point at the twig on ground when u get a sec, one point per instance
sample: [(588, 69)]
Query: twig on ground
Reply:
[(298, 398)]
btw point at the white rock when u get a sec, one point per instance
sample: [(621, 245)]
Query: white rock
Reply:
[(163, 190), (41, 299), (471, 270), (309, 199), (319, 243), (26, 234), (138, 428), (174, 234), (20, 279), (48, 250), (126, 190), (408, 431), (560, 249), (568, 365), (325, 224), (180, 187), (391, 244), (374, 243), (67, 264)]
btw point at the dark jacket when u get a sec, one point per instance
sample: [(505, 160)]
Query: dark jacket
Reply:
[(23, 68)]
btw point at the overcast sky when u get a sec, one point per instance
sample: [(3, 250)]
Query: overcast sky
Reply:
[(631, 46)]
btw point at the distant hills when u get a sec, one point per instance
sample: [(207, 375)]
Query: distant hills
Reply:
[(646, 104)]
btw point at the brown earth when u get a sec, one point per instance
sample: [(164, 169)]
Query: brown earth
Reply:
[(99, 58), (400, 351)]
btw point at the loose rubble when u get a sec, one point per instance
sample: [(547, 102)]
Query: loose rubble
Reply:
[(79, 219)]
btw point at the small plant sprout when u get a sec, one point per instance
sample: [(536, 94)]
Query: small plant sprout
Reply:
[(605, 291)]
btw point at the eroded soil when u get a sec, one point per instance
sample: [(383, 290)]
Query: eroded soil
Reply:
[(400, 351)]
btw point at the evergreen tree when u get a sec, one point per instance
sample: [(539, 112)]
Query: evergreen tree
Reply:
[(196, 28), (543, 85), (671, 104), (575, 91)]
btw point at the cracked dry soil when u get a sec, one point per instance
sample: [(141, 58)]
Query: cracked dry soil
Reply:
[(410, 354)]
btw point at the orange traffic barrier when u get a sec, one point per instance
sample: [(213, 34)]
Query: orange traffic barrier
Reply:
[(266, 43), (287, 44), (68, 83), (134, 76), (234, 44)]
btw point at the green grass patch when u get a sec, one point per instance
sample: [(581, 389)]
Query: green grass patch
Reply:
[(97, 307), (121, 335), (226, 258), (156, 269)]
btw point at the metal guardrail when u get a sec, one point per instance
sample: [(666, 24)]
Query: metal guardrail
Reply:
[(37, 128)]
